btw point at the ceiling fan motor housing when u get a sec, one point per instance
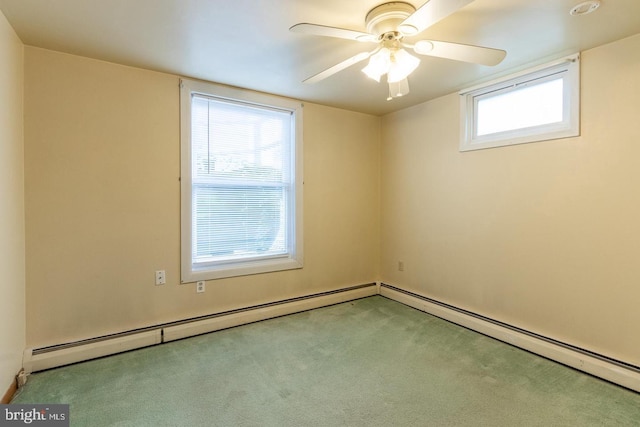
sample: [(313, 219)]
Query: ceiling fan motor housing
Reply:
[(387, 16)]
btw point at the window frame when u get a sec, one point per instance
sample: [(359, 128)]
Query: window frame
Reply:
[(567, 68), (294, 257)]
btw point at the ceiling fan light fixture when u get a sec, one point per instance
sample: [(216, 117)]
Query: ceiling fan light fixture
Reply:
[(398, 89), (387, 24), (378, 65), (402, 64)]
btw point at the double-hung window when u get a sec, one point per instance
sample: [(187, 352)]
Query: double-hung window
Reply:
[(241, 185), (535, 105)]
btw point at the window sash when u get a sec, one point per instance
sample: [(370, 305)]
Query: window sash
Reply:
[(256, 230), (565, 71)]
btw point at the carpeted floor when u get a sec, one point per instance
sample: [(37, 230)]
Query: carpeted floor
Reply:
[(370, 362)]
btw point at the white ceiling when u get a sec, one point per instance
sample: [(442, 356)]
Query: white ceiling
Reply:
[(247, 43)]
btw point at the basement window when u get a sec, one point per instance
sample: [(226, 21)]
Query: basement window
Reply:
[(241, 185), (535, 105)]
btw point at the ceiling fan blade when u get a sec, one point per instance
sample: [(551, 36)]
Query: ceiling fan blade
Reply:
[(339, 67), (460, 52), (323, 30), (430, 13)]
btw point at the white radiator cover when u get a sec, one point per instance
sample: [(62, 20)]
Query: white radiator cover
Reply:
[(86, 351), (41, 359), (599, 367), (189, 329), (51, 357)]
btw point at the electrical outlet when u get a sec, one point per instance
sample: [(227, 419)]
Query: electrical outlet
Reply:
[(161, 277), (400, 265), (200, 286)]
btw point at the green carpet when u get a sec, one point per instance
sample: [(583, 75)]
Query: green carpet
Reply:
[(370, 362)]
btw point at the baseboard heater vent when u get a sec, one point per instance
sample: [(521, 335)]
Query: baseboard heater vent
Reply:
[(40, 359), (609, 369)]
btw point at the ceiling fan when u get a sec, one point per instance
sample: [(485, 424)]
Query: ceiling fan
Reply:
[(388, 25)]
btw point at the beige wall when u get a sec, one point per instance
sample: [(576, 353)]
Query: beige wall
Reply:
[(102, 203), (544, 236), (12, 273)]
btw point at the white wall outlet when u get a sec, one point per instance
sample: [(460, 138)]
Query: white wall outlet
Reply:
[(200, 286), (400, 265), (161, 277)]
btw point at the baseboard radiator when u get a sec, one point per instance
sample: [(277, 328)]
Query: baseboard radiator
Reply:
[(594, 364), (40, 359), (597, 365)]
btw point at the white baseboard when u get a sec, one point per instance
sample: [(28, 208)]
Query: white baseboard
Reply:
[(41, 360), (599, 367), (217, 323), (51, 357)]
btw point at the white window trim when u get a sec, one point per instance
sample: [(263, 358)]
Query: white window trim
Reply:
[(569, 127), (295, 258)]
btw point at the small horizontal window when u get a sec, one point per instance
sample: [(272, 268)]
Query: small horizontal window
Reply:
[(535, 105)]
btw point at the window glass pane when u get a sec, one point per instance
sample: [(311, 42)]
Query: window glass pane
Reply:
[(241, 178), (237, 222), (231, 141), (533, 105)]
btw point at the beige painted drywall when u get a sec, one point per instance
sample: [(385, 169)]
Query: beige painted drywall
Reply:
[(12, 264), (544, 236), (102, 203)]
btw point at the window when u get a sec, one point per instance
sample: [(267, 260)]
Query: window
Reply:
[(535, 105), (241, 185)]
